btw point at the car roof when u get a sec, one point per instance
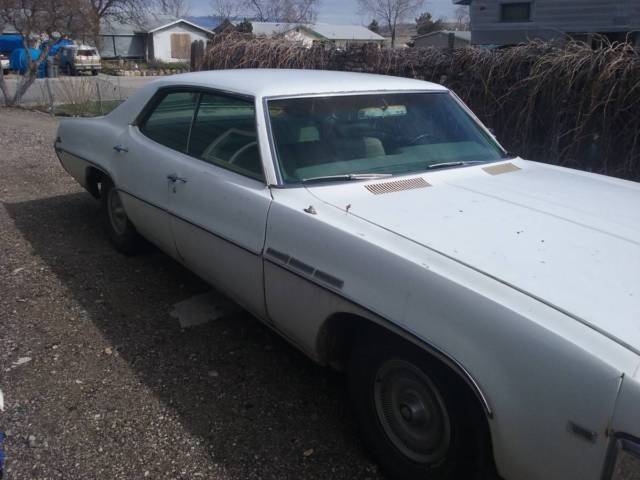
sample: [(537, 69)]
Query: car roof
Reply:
[(280, 82)]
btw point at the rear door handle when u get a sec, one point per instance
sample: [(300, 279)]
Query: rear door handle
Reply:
[(120, 149), (173, 177)]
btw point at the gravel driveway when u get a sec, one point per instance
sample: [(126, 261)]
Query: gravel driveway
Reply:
[(99, 381)]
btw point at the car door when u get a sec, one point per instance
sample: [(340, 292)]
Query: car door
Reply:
[(145, 155), (219, 199)]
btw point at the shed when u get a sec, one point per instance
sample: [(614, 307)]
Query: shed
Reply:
[(162, 38), (444, 39)]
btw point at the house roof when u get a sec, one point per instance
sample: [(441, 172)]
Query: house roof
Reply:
[(151, 23), (464, 35), (179, 20), (344, 32), (325, 30), (271, 28)]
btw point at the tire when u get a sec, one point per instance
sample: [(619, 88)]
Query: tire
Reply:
[(120, 230), (414, 414), (94, 73)]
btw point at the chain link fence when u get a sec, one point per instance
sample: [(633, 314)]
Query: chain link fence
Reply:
[(81, 96)]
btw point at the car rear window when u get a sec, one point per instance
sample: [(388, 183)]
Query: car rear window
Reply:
[(86, 53)]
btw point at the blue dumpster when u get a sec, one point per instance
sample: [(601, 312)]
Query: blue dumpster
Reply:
[(18, 59), (8, 43)]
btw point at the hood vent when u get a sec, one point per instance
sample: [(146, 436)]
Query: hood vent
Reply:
[(397, 186), (501, 168)]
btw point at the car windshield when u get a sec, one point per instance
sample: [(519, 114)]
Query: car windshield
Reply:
[(394, 133)]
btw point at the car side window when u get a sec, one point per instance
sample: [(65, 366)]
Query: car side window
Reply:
[(224, 134), (170, 120)]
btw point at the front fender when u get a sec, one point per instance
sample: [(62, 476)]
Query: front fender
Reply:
[(548, 378)]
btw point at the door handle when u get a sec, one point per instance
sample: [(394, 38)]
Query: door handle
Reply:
[(173, 177), (120, 149)]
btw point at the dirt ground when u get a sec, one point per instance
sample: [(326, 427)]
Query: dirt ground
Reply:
[(100, 382)]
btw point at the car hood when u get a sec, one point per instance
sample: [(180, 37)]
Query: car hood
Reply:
[(567, 238)]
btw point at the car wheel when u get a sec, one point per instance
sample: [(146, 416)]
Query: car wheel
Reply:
[(94, 73), (119, 228), (412, 413)]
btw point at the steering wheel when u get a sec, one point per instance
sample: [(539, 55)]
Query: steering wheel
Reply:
[(422, 136), (234, 157)]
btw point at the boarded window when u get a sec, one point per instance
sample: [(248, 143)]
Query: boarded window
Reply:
[(515, 12), (180, 45)]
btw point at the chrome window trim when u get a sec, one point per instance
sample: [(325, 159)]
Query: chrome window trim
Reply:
[(163, 91)]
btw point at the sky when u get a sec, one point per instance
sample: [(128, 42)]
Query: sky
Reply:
[(345, 11)]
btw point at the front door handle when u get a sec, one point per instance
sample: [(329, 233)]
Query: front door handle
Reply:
[(173, 177), (120, 149)]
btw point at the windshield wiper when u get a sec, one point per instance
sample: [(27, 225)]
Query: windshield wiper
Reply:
[(347, 177), (453, 164)]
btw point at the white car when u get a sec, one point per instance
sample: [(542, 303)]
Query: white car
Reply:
[(73, 59), (486, 308)]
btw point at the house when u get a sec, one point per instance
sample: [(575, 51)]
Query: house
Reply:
[(159, 37), (339, 35), (444, 39), (310, 33), (509, 22)]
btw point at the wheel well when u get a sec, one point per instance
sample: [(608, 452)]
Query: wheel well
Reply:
[(93, 179), (340, 332)]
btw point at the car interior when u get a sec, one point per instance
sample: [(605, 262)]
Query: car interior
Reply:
[(394, 133), (222, 133)]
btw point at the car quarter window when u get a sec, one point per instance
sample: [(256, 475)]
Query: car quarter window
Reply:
[(224, 134), (169, 122)]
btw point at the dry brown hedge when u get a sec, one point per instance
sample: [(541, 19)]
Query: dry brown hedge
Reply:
[(570, 105)]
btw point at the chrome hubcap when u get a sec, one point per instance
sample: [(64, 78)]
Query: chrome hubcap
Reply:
[(412, 412), (116, 212)]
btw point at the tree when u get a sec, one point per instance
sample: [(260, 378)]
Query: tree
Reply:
[(374, 27), (244, 26), (40, 22), (226, 9), (131, 11), (126, 10), (391, 12), (175, 8), (426, 24), (463, 19), (289, 11)]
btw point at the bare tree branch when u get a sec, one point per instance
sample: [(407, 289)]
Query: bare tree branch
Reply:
[(391, 12), (226, 8), (176, 8), (291, 11), (463, 19), (40, 22)]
